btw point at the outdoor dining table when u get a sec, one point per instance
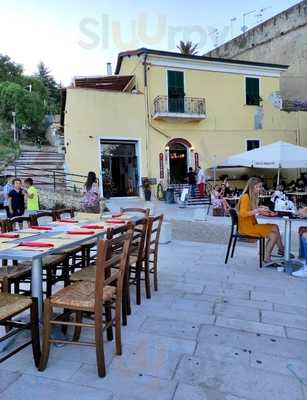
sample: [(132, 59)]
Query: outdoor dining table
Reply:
[(35, 256)]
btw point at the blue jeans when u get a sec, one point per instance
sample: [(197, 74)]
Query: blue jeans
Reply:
[(303, 247), (193, 188)]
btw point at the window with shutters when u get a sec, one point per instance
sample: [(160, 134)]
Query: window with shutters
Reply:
[(252, 91)]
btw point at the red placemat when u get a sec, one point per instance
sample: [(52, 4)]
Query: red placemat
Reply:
[(115, 221), (9, 235), (36, 244), (80, 232), (93, 226), (41, 228)]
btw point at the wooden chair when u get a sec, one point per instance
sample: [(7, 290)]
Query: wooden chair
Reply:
[(89, 273), (58, 214), (235, 234), (22, 271), (145, 211), (97, 298), (12, 305), (147, 260), (152, 249), (18, 272), (36, 218)]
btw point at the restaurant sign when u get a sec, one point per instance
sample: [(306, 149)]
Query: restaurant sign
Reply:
[(161, 163)]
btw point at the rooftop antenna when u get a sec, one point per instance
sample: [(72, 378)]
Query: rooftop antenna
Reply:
[(259, 16), (232, 21), (245, 27)]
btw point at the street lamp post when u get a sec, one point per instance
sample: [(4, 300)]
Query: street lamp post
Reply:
[(14, 126)]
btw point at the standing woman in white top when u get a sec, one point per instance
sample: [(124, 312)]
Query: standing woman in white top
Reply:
[(201, 181)]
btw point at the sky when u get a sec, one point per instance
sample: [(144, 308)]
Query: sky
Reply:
[(78, 38)]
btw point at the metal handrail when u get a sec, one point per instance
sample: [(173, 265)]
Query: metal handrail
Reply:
[(58, 179)]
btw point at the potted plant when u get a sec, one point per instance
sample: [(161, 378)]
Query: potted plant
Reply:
[(147, 189)]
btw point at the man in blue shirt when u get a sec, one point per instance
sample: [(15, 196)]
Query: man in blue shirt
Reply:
[(6, 190)]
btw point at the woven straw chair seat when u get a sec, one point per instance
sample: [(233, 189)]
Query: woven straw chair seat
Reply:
[(85, 274), (14, 271), (11, 304), (81, 296)]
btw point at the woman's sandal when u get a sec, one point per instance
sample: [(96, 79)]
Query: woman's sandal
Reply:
[(281, 253)]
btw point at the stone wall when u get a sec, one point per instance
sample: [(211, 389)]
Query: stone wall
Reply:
[(49, 200), (279, 40)]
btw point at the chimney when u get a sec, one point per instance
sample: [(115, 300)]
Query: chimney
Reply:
[(109, 68)]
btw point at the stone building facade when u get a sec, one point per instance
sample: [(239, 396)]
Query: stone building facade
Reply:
[(280, 39)]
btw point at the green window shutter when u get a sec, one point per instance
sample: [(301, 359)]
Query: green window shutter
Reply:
[(252, 91)]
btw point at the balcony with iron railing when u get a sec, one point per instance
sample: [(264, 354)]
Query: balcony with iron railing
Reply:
[(180, 108)]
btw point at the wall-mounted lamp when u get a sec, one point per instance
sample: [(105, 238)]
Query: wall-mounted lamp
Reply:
[(166, 148), (192, 149), (91, 137)]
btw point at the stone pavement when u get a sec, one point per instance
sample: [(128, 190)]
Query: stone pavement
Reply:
[(211, 332)]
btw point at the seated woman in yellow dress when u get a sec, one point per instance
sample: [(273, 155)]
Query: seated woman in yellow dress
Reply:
[(248, 209)]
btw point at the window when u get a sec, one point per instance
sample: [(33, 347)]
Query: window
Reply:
[(252, 144), (175, 80), (252, 91)]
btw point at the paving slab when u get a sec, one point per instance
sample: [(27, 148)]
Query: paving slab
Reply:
[(35, 387), (252, 342), (148, 360), (239, 380), (249, 326), (124, 382), (284, 319), (7, 378), (237, 312), (189, 392), (293, 333), (260, 305), (171, 327), (218, 352)]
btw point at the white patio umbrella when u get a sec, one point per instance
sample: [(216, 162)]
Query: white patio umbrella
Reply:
[(273, 156)]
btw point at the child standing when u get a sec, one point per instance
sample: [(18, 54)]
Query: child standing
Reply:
[(16, 200), (32, 196)]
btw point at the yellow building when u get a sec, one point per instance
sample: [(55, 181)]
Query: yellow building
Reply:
[(163, 112)]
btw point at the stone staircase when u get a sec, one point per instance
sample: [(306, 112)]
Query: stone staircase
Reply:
[(45, 166), (196, 200)]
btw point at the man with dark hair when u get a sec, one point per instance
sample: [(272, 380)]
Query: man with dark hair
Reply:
[(16, 200), (192, 181), (32, 196), (6, 190)]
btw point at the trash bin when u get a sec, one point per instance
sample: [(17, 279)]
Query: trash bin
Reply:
[(169, 196)]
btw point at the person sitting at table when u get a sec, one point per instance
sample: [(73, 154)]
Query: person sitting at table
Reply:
[(300, 185), (218, 201), (302, 273), (291, 186), (225, 189), (247, 211), (278, 194)]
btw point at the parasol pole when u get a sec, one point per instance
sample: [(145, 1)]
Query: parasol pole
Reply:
[(278, 176)]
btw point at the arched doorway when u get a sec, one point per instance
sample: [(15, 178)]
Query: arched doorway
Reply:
[(178, 160)]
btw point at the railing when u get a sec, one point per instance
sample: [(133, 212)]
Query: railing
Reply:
[(50, 178), (184, 105), (294, 105)]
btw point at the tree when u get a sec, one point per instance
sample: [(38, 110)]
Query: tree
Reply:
[(28, 106), (9, 71), (187, 48), (53, 88)]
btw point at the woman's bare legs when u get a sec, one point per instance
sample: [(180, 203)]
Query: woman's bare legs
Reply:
[(273, 239)]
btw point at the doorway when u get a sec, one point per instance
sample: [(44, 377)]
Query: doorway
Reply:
[(178, 161), (119, 166)]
